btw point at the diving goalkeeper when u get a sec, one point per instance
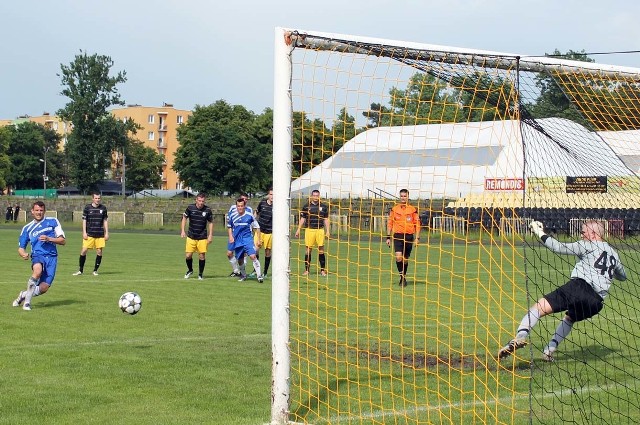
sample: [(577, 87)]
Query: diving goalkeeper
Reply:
[(582, 296)]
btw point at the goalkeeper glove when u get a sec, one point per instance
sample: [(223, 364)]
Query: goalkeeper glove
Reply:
[(537, 228)]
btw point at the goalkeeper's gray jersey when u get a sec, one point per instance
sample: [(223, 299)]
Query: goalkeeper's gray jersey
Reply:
[(598, 262)]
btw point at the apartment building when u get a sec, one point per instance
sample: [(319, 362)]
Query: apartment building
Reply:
[(49, 121), (159, 131)]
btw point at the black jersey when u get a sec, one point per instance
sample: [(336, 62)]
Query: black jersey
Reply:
[(198, 219), (314, 215), (95, 217), (265, 216)]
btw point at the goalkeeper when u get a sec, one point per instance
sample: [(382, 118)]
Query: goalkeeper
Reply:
[(582, 296)]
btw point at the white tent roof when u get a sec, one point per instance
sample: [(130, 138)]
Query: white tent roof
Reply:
[(164, 193), (453, 160)]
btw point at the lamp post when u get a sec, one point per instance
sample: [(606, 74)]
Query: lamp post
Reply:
[(44, 173)]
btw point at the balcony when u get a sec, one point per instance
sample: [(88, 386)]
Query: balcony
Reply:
[(161, 143), (162, 127)]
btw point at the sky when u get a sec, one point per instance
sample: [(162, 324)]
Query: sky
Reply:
[(195, 52)]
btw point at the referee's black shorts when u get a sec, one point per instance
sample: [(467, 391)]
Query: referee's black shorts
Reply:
[(578, 298), (403, 242)]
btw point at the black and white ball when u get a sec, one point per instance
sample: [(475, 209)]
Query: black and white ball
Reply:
[(130, 302)]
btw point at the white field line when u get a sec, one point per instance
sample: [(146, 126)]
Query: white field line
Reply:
[(502, 400), (136, 341)]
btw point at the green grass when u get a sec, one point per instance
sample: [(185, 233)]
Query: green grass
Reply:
[(198, 352), (364, 350), (370, 352)]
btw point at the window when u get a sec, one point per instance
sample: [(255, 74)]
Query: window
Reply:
[(152, 119), (179, 120), (152, 135)]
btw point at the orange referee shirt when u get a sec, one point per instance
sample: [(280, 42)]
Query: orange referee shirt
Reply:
[(403, 218)]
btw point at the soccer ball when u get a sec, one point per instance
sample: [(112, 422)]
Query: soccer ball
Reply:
[(130, 302)]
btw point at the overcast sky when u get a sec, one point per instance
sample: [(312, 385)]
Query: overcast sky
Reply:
[(194, 52)]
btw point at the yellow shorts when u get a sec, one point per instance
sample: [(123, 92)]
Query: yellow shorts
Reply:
[(199, 246), (265, 238), (313, 237), (93, 243)]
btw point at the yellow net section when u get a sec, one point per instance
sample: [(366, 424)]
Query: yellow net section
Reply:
[(477, 144)]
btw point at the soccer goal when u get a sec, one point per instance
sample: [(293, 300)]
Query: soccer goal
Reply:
[(489, 139)]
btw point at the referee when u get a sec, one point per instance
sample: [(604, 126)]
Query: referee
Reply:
[(404, 227)]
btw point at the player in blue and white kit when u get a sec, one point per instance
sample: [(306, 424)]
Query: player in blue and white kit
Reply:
[(44, 234), (241, 238), (582, 296), (233, 212)]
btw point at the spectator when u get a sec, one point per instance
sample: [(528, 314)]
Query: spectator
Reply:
[(16, 213)]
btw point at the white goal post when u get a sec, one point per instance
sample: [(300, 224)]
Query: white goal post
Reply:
[(465, 116), (282, 119)]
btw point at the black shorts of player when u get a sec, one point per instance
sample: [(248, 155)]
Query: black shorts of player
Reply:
[(403, 242), (578, 298)]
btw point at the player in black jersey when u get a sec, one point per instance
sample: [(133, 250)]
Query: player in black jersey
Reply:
[(314, 217), (199, 235), (264, 214), (95, 232)]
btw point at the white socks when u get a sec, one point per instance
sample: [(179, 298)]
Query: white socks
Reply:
[(234, 264), (256, 267), (32, 284)]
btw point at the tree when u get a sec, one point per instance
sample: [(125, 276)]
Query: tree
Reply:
[(553, 100), (343, 130), (264, 135), (309, 141), (5, 163), (424, 101), (220, 150), (91, 91), (143, 166), (27, 144), (484, 98), (376, 115)]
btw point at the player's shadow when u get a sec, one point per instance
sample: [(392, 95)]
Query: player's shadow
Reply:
[(590, 353), (58, 303), (314, 401)]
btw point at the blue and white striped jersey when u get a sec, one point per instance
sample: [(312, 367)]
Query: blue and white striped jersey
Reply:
[(31, 232)]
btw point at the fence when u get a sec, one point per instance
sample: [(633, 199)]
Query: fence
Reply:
[(510, 225), (449, 224), (612, 228), (153, 219)]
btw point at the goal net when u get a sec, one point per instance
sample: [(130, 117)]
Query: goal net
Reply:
[(484, 142)]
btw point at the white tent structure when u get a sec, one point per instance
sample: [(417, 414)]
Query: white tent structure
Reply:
[(457, 159)]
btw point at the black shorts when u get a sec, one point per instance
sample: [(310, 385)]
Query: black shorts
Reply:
[(403, 242), (578, 298)]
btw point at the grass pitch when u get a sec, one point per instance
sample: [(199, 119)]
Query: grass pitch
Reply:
[(199, 352)]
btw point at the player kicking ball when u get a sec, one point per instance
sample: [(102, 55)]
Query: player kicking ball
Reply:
[(44, 234)]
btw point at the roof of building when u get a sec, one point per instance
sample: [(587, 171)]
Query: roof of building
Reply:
[(453, 160), (171, 193)]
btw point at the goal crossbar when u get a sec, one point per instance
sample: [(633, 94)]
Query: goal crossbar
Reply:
[(405, 51)]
